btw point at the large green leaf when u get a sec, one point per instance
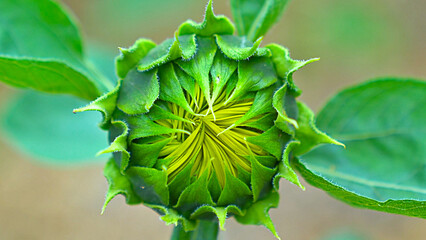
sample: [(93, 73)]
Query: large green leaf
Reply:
[(34, 35), (103, 58), (254, 17), (45, 126), (46, 76), (382, 124)]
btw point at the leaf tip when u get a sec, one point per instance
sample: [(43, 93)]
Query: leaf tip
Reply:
[(313, 60)]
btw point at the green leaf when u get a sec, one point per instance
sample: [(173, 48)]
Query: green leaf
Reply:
[(254, 17), (51, 50), (46, 76), (382, 123), (212, 24), (103, 56), (45, 126), (138, 92), (29, 28)]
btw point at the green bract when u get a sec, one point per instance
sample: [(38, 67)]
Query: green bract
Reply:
[(203, 125)]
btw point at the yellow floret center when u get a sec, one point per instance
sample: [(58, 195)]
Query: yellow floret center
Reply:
[(213, 143)]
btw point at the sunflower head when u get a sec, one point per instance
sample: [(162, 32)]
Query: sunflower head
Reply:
[(202, 126)]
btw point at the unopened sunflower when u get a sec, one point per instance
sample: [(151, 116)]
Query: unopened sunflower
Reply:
[(203, 125)]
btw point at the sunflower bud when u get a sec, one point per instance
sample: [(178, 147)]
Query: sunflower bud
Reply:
[(202, 126)]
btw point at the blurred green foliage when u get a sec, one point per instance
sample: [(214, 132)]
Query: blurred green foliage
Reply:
[(44, 126), (344, 234)]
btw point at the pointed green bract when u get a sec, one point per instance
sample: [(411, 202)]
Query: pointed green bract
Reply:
[(199, 66), (260, 178), (142, 126), (119, 144), (195, 195), (235, 192), (261, 105), (180, 183), (138, 92), (149, 184), (285, 66), (307, 133), (158, 112), (283, 122), (285, 170), (171, 90), (238, 48), (171, 216), (145, 155), (130, 57), (220, 212), (105, 104), (271, 140), (212, 24), (221, 70), (253, 75), (263, 123), (180, 47), (258, 214), (118, 184)]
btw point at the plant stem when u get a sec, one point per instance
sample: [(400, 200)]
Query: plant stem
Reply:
[(205, 230)]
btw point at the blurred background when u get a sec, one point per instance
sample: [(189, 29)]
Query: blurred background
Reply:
[(356, 40)]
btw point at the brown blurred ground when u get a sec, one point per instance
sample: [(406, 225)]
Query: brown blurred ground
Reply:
[(39, 203)]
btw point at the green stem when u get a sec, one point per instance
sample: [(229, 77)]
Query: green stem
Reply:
[(205, 230)]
